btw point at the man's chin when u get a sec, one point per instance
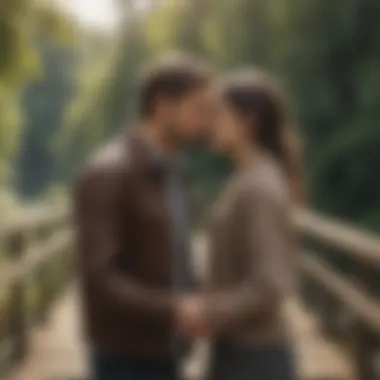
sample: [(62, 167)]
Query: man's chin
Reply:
[(219, 149), (190, 143)]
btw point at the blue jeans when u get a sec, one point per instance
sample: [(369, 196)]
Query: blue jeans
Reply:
[(106, 366), (232, 362)]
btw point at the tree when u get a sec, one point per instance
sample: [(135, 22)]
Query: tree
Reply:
[(44, 103), (22, 25), (328, 60), (325, 51), (18, 64), (106, 99)]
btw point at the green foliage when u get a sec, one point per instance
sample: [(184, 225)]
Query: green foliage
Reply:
[(329, 62), (327, 52), (21, 23), (106, 100), (18, 63), (44, 104)]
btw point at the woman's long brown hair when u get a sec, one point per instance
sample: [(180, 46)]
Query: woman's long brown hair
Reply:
[(260, 100)]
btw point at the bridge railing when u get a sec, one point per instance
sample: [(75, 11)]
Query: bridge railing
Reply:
[(35, 265), (340, 281), (341, 285)]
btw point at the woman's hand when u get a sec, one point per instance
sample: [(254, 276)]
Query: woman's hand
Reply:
[(191, 318)]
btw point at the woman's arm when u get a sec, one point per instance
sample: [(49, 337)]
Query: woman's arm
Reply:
[(267, 239)]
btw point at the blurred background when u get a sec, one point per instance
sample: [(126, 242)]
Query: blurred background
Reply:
[(69, 74)]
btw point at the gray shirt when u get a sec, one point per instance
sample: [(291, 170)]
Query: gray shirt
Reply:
[(183, 275)]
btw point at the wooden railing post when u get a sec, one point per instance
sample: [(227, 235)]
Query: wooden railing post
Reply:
[(30, 274), (18, 317), (346, 268), (42, 279), (330, 315), (364, 348), (363, 337)]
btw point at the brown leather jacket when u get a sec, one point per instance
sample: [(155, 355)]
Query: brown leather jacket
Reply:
[(123, 231)]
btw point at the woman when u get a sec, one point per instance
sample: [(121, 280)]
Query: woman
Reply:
[(253, 248)]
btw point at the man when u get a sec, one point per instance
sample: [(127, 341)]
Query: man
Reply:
[(132, 229)]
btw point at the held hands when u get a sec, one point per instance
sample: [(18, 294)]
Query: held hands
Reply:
[(191, 318)]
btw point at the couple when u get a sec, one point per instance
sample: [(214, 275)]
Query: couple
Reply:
[(140, 302)]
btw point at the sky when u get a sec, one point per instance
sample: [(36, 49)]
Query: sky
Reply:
[(96, 13)]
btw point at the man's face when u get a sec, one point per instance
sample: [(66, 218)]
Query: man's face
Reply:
[(188, 119)]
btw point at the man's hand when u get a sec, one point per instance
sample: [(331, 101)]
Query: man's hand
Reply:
[(191, 318)]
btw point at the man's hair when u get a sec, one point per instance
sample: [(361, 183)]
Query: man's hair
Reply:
[(172, 76)]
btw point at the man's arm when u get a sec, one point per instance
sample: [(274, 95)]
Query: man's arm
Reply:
[(97, 209)]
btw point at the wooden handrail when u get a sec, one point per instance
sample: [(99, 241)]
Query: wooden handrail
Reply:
[(365, 308), (360, 245), (37, 251), (33, 220), (33, 258), (332, 294), (330, 287)]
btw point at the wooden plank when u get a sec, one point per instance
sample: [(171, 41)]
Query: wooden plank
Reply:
[(13, 273), (364, 307), (59, 352), (359, 245), (33, 220), (318, 357)]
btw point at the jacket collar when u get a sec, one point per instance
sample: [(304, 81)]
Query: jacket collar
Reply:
[(150, 159)]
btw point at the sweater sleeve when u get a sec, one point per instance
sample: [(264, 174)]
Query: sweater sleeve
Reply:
[(264, 225)]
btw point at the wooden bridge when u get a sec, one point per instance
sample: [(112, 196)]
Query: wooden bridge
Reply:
[(335, 315)]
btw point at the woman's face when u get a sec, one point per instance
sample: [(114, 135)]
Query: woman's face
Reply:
[(229, 132)]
